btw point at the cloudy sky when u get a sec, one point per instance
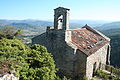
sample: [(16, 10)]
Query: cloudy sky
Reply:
[(43, 9)]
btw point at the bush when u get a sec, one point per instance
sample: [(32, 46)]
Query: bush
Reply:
[(105, 75), (85, 78), (30, 63), (9, 32), (94, 79), (102, 74)]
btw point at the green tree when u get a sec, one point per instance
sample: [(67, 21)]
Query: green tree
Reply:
[(30, 63), (9, 32)]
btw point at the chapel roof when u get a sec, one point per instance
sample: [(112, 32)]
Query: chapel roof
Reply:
[(88, 40)]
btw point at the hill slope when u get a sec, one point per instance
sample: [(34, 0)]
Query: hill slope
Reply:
[(113, 25), (115, 50)]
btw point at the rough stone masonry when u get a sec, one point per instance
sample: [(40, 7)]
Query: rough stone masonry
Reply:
[(77, 52)]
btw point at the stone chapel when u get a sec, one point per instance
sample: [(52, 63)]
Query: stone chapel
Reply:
[(77, 52)]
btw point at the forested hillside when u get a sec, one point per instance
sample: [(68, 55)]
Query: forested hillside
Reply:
[(115, 50), (39, 26), (107, 26), (111, 31)]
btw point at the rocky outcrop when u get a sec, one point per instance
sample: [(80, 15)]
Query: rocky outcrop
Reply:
[(8, 77)]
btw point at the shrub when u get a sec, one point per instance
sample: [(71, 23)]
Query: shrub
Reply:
[(94, 79), (30, 63), (102, 74), (85, 78), (9, 32)]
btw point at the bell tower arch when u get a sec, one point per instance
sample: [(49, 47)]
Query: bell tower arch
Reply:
[(61, 18)]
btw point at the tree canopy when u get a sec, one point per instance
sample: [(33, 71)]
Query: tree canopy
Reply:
[(27, 62), (30, 62), (9, 32)]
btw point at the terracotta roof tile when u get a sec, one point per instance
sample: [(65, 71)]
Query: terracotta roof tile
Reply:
[(87, 41)]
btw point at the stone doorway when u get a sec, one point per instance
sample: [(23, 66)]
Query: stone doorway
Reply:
[(94, 68), (107, 57)]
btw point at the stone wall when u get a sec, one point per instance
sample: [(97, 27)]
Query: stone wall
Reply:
[(70, 60), (62, 51), (94, 61), (80, 65)]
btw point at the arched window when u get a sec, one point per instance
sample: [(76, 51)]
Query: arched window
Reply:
[(60, 21)]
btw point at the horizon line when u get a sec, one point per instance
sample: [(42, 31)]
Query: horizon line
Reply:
[(53, 19)]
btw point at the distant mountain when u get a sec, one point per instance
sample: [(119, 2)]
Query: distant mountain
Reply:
[(39, 26), (31, 22), (111, 31), (93, 23), (113, 25)]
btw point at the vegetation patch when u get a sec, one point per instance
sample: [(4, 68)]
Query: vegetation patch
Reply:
[(29, 62), (105, 75)]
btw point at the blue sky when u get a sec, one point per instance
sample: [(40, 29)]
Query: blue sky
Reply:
[(43, 9)]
